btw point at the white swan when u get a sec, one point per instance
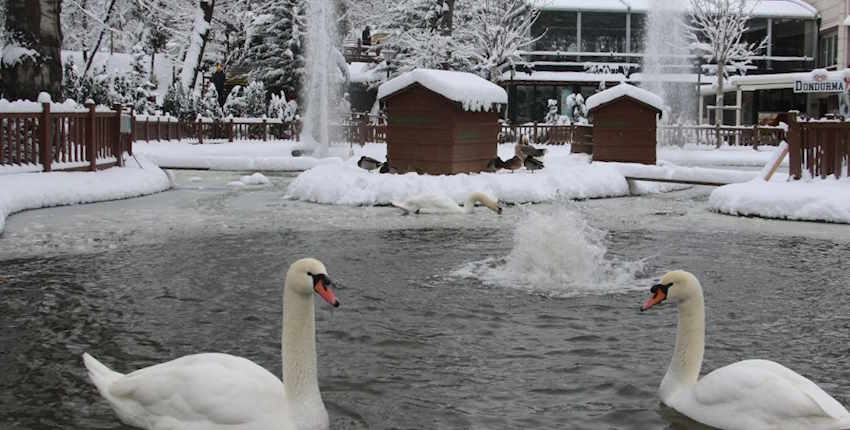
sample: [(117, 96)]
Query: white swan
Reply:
[(219, 391), (440, 203), (750, 394)]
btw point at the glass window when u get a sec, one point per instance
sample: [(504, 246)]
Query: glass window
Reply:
[(603, 32), (756, 32), (524, 103), (638, 32), (789, 38), (828, 50), (559, 30)]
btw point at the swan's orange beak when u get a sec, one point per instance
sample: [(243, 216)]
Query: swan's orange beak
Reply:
[(321, 288), (659, 294)]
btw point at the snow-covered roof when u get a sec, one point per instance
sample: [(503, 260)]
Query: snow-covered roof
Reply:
[(364, 73), (472, 91), (764, 8), (624, 90), (575, 77)]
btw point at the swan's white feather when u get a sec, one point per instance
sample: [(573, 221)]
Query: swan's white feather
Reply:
[(201, 391), (430, 203), (759, 394)]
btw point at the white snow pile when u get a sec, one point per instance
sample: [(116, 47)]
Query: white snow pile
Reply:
[(255, 179), (347, 184), (244, 156), (807, 200), (472, 91), (26, 106), (38, 190), (709, 155), (624, 90), (673, 172)]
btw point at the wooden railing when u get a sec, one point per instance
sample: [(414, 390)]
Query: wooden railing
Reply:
[(754, 136), (545, 134), (76, 138), (821, 147), (149, 128)]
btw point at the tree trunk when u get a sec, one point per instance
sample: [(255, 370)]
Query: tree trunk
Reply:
[(37, 26), (100, 37), (207, 7), (448, 17), (718, 105)]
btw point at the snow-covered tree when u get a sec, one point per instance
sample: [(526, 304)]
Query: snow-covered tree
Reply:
[(275, 51), (208, 104), (499, 29), (179, 104), (716, 31), (255, 100)]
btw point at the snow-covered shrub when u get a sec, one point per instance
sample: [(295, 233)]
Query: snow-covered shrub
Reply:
[(552, 112), (179, 104), (235, 104), (208, 106), (282, 109), (255, 100), (576, 109)]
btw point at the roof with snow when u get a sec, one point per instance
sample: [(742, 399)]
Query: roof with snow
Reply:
[(471, 91), (763, 8), (624, 90)]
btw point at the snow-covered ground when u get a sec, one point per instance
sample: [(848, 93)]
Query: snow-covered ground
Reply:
[(806, 200), (24, 191), (242, 155)]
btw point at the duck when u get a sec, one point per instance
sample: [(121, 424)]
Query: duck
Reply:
[(532, 164), (525, 149), (441, 203), (514, 163), (368, 163), (749, 394), (495, 165), (386, 168), (216, 391)]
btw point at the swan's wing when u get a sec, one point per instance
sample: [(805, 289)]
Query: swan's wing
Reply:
[(766, 390), (202, 391)]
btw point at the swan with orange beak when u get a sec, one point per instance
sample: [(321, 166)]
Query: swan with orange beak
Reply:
[(747, 395)]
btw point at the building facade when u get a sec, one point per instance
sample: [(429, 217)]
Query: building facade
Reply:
[(584, 46)]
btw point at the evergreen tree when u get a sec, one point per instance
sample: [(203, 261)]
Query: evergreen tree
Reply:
[(275, 53), (255, 100)]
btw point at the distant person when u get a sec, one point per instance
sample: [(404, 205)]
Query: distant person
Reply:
[(367, 36), (218, 79)]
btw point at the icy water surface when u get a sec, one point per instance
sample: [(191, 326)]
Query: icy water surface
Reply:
[(420, 341)]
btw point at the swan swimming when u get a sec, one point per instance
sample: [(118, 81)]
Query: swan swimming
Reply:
[(213, 391), (440, 203), (749, 394)]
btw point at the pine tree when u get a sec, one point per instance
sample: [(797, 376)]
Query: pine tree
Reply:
[(255, 100), (275, 53)]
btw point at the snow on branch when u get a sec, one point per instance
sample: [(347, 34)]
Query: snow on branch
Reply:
[(716, 30)]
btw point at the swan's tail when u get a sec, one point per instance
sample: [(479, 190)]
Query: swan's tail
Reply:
[(100, 375)]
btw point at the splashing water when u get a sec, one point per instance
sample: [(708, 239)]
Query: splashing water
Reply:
[(322, 90), (667, 49), (557, 254)]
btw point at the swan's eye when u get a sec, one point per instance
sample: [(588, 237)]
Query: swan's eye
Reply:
[(310, 274), (662, 287)]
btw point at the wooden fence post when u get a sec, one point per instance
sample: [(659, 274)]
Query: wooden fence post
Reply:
[(91, 147), (795, 161), (132, 131), (200, 131), (230, 131), (45, 145), (118, 143), (265, 130)]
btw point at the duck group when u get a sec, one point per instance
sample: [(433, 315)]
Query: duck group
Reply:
[(525, 155), (217, 391)]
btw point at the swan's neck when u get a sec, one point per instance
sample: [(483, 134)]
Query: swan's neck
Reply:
[(298, 348), (690, 345), (476, 198)]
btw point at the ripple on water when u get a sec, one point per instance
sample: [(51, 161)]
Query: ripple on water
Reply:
[(557, 254)]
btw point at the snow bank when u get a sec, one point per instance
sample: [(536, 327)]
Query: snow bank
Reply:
[(246, 156), (672, 172), (472, 91), (624, 90), (38, 190), (709, 155), (815, 200), (346, 184)]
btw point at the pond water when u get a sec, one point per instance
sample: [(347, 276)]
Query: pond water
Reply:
[(447, 322)]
